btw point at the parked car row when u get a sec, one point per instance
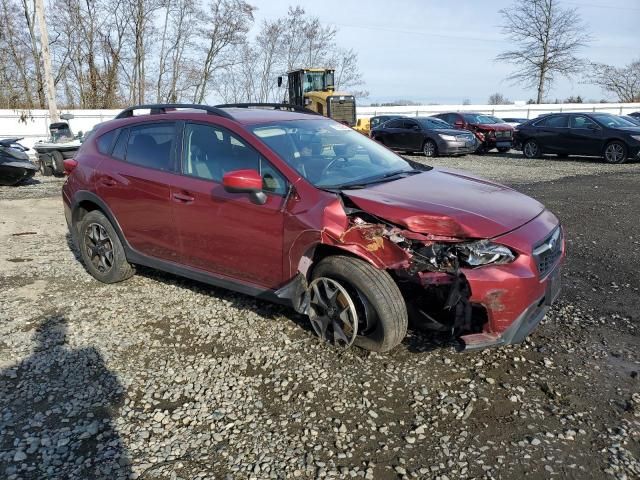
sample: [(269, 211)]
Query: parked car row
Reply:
[(611, 137), (451, 133), (615, 138)]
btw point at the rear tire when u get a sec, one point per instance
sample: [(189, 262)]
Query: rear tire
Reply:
[(58, 162), (45, 169), (430, 149), (382, 312), (615, 152), (531, 149), (101, 250)]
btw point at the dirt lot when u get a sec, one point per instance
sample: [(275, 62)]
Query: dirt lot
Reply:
[(160, 377)]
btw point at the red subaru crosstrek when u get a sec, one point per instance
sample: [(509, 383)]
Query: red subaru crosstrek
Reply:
[(300, 209)]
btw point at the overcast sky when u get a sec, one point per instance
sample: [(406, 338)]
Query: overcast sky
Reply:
[(443, 51)]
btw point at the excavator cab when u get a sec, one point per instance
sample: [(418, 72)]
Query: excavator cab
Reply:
[(313, 88)]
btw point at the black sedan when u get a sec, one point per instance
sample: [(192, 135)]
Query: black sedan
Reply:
[(597, 134), (429, 135)]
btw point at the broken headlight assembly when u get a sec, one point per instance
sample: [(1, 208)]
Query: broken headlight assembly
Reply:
[(484, 252)]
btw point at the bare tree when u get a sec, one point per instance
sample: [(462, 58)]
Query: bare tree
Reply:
[(498, 99), (623, 82), (547, 39), (228, 22), (17, 69), (177, 70), (87, 43)]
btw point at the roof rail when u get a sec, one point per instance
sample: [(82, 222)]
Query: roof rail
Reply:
[(163, 107), (275, 106)]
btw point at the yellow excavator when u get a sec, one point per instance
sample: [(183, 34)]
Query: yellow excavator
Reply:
[(313, 88)]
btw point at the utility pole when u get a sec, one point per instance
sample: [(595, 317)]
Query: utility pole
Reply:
[(46, 60)]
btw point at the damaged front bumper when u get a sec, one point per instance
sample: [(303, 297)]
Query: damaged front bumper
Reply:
[(517, 296), (521, 327)]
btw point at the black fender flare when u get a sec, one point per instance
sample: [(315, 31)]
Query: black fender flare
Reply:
[(86, 196)]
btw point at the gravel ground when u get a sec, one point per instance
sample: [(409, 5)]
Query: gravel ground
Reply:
[(160, 377)]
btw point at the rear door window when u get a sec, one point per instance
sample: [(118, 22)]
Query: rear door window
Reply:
[(393, 124), (152, 146), (120, 148), (554, 121), (580, 121)]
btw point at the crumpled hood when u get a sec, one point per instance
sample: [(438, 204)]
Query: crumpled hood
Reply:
[(448, 203)]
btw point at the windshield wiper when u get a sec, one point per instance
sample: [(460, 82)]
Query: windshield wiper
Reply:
[(387, 177), (399, 172)]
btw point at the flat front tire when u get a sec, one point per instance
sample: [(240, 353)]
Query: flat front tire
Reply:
[(381, 311), (101, 250)]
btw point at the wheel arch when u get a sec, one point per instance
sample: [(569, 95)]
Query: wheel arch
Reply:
[(85, 202)]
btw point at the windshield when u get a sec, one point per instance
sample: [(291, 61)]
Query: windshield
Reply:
[(315, 81), (477, 118), (612, 120), (329, 154), (433, 123)]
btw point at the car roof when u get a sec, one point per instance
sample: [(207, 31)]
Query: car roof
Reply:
[(243, 116)]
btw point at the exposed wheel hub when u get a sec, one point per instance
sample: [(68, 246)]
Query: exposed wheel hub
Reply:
[(99, 247), (332, 312)]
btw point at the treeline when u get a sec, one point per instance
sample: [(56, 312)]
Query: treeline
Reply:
[(111, 53)]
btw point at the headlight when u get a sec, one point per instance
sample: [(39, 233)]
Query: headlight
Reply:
[(636, 137), (484, 252), (447, 138)]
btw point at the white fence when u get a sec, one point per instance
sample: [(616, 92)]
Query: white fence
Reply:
[(515, 111), (32, 125)]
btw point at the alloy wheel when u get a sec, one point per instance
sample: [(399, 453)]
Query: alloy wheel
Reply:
[(99, 247), (332, 312), (429, 149), (614, 153), (530, 149)]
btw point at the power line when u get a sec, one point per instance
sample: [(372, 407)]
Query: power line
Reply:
[(455, 37)]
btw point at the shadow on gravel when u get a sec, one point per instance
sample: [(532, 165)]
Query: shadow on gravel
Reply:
[(416, 341), (55, 412)]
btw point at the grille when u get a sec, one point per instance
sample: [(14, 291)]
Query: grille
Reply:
[(504, 134), (343, 110), (548, 252)]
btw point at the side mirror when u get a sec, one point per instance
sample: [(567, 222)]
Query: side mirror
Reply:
[(245, 181), (415, 127), (279, 82)]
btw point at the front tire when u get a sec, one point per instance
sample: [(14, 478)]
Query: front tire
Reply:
[(101, 250), (504, 149), (430, 149), (615, 152), (531, 149), (381, 310)]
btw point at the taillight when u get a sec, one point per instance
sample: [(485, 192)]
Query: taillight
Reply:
[(69, 165)]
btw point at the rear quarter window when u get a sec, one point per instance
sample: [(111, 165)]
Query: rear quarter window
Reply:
[(105, 141)]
